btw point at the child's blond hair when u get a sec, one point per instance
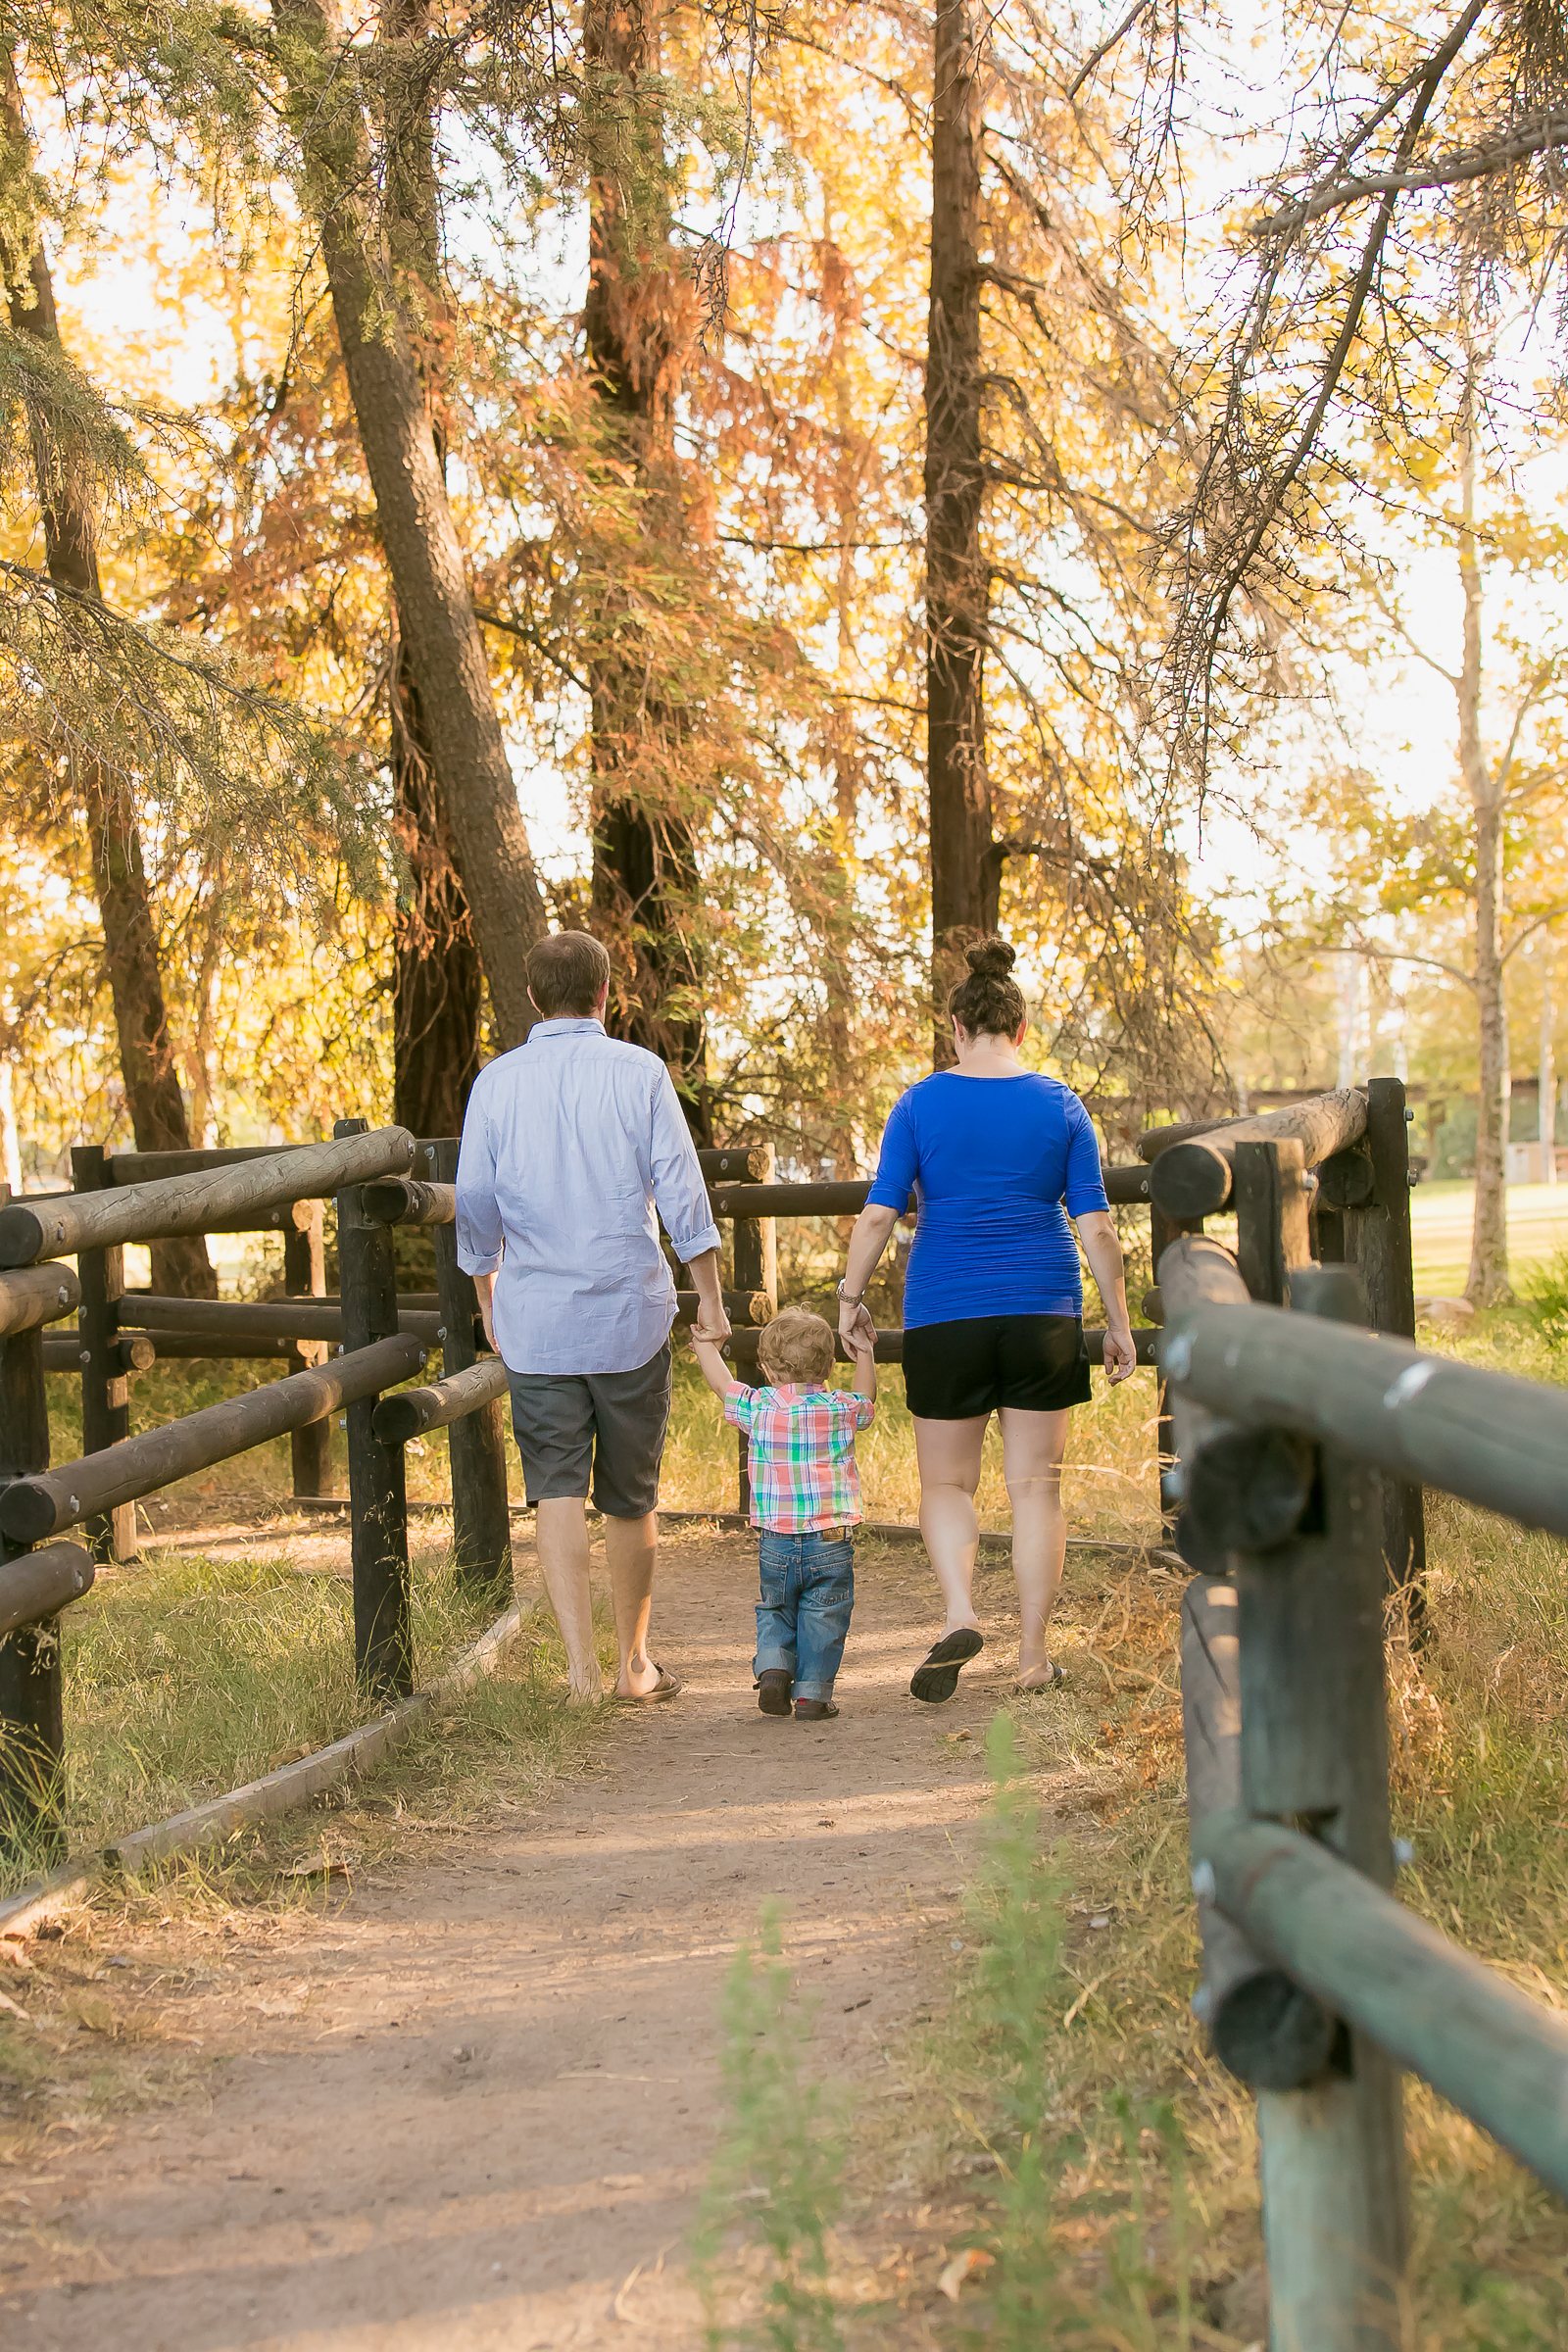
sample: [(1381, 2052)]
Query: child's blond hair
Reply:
[(795, 1345)]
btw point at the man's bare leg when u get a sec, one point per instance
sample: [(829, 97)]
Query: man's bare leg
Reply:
[(631, 1547), (563, 1532)]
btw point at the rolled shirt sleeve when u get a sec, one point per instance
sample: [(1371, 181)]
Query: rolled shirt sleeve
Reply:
[(480, 1228), (679, 1192), (1086, 1182)]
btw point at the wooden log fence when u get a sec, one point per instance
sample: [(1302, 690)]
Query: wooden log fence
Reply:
[(1292, 1425), (378, 1179)]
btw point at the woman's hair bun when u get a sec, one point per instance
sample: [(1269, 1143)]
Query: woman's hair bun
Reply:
[(993, 957)]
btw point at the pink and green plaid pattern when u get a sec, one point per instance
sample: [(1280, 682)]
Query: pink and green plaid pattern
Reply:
[(802, 1454)]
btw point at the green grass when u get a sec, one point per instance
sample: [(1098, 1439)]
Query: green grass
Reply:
[(191, 1675)]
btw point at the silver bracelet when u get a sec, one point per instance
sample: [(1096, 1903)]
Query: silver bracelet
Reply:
[(851, 1297)]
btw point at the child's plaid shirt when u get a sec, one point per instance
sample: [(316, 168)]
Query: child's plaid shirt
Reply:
[(802, 1454)]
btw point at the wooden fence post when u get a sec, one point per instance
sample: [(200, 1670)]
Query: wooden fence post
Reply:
[(1315, 1753), (481, 1520), (1269, 1189), (1163, 1231), (305, 1277), (1383, 1256), (383, 1629), (33, 1732), (755, 1269), (105, 1390)]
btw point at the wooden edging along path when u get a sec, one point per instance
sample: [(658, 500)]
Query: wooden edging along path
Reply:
[(280, 1793)]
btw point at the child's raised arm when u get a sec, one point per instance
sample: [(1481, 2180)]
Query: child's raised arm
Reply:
[(864, 1371), (715, 1370)]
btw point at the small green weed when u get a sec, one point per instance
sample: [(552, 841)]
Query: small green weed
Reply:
[(1546, 1296), (778, 2169)]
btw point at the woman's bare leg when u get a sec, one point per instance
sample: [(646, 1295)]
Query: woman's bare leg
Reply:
[(1032, 1447), (949, 1455)]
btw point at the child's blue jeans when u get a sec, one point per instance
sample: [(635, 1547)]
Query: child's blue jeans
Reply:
[(802, 1617)]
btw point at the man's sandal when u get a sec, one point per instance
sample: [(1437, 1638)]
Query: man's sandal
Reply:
[(666, 1686), (936, 1678), (1052, 1681)]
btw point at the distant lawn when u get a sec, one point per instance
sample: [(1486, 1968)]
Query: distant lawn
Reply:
[(1441, 1219)]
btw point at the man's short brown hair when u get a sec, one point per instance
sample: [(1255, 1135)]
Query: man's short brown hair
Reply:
[(568, 974), (795, 1345)]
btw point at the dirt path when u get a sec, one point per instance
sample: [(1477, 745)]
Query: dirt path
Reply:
[(472, 2103)]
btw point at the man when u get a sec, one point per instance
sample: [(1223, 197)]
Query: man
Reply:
[(570, 1143)]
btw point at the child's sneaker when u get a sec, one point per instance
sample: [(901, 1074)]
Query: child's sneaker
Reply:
[(813, 1710), (773, 1686)]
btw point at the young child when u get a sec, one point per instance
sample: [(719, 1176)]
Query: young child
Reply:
[(805, 1498)]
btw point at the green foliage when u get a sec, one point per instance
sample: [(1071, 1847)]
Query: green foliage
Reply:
[(1545, 1295), (1016, 1910), (777, 2172)]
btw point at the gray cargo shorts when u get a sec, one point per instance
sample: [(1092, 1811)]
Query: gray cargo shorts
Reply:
[(604, 1429)]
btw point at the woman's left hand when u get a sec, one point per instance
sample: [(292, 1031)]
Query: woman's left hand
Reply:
[(855, 1324), (1121, 1356)]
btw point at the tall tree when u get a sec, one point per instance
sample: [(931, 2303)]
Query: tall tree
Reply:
[(437, 980), (639, 324), (179, 1267), (965, 871), (436, 620)]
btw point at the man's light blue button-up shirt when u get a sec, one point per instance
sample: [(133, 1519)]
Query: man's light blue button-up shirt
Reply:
[(570, 1143)]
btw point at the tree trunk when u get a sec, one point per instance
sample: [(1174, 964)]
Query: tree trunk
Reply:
[(429, 578), (966, 869), (1546, 1129), (438, 985), (438, 993), (638, 324), (180, 1268), (1488, 1283)]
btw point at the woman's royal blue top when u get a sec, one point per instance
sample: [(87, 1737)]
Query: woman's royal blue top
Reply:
[(997, 1166)]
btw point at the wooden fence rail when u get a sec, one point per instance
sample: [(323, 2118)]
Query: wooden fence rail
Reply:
[(379, 1180), (1295, 1427)]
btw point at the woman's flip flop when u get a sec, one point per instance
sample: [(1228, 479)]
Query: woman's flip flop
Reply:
[(936, 1678), (1052, 1682), (666, 1686)]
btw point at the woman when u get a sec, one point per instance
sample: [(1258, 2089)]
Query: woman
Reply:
[(999, 1157)]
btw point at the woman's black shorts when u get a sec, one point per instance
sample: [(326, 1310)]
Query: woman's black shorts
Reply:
[(956, 1371)]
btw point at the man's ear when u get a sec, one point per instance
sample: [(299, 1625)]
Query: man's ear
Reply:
[(534, 1001)]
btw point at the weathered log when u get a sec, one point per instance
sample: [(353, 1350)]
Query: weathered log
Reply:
[(1496, 2055), (736, 1163), (35, 1508), (35, 1294), (154, 1167), (824, 1199), (1488, 1437), (1192, 1270), (413, 1411), (742, 1346), (41, 1582), (1156, 1140), (1271, 2034), (750, 1310), (248, 1320), (481, 1520), (132, 1352), (1125, 1187), (1192, 1178), (194, 1202), (409, 1201)]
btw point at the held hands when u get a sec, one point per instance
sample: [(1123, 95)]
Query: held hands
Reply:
[(1121, 1358), (710, 1323), (855, 1328)]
